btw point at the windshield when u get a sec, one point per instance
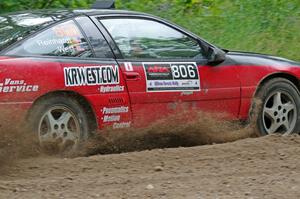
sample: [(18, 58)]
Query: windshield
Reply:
[(16, 26)]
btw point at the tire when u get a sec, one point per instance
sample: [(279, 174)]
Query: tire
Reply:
[(276, 108), (60, 124)]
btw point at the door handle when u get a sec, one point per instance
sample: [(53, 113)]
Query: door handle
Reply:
[(133, 76)]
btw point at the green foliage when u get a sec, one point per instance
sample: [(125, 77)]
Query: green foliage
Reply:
[(16, 5), (266, 26)]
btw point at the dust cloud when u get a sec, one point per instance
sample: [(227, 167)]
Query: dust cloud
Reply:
[(175, 131)]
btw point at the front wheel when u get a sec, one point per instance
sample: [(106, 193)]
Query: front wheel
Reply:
[(60, 124), (279, 108)]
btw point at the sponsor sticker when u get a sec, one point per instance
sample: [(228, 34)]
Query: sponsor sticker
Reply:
[(67, 30), (65, 38), (63, 45), (111, 118), (91, 75), (128, 66), (114, 110), (111, 89), (172, 77), (17, 86), (121, 125), (53, 42)]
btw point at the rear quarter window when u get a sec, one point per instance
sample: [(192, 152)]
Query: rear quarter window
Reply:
[(64, 39), (18, 26)]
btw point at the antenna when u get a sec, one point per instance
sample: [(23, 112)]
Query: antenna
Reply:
[(104, 4)]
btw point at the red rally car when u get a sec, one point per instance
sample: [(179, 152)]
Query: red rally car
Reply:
[(71, 72)]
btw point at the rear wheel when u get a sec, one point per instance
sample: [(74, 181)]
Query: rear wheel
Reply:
[(278, 111), (60, 124)]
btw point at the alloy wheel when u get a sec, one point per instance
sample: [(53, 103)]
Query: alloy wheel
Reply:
[(279, 113), (59, 126)]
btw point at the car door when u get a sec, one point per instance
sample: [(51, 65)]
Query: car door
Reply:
[(163, 67), (104, 81)]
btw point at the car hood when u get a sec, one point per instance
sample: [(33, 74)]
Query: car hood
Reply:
[(248, 58)]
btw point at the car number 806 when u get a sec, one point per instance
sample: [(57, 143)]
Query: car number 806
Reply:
[(184, 71)]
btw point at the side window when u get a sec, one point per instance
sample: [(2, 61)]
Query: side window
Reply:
[(141, 38), (99, 44), (64, 39)]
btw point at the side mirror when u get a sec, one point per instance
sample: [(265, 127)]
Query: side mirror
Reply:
[(216, 56)]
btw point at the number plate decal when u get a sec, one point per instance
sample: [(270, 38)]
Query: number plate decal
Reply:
[(172, 77)]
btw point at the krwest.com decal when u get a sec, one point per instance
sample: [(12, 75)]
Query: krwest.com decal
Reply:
[(172, 77), (91, 75)]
